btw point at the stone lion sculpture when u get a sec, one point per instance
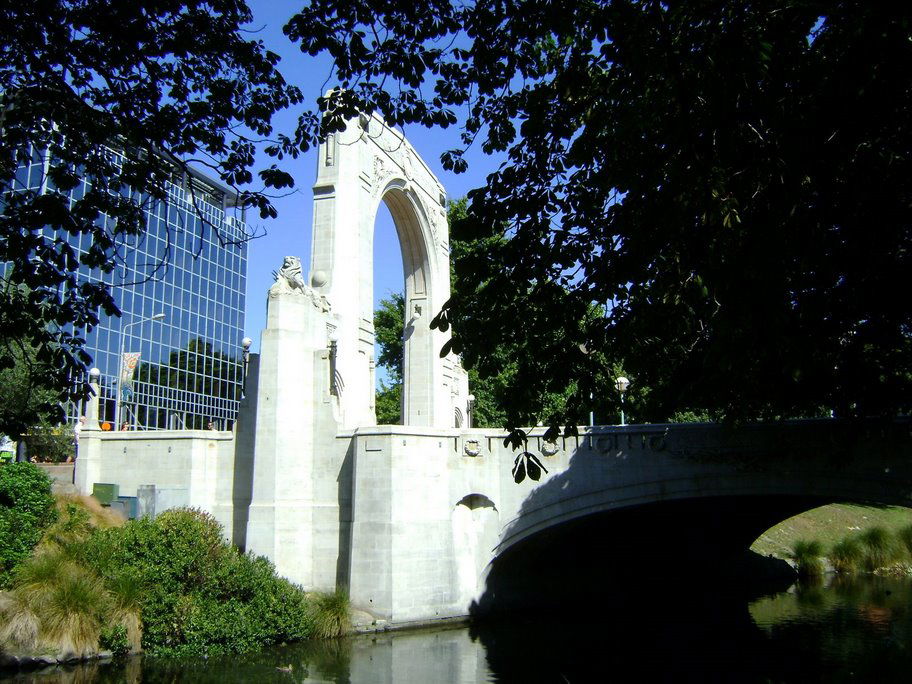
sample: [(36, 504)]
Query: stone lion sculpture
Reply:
[(290, 274), (290, 278)]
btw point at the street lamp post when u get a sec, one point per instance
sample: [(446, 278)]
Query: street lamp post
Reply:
[(622, 384), (245, 344), (91, 412), (118, 398)]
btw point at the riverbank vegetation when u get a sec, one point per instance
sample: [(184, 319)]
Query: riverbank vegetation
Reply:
[(843, 538), (874, 551), (170, 586)]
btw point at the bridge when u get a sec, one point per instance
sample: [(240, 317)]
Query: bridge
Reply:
[(424, 520)]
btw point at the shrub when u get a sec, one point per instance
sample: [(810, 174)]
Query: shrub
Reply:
[(198, 595), (880, 549), (114, 639), (26, 509), (807, 557), (846, 556)]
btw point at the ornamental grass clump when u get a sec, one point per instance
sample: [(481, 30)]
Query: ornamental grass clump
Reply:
[(905, 539), (55, 605), (73, 612), (846, 556), (807, 557), (331, 614), (18, 623), (881, 549)]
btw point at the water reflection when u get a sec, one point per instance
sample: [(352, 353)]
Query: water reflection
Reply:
[(857, 630)]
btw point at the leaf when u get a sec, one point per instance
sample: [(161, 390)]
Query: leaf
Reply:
[(519, 469), (531, 466)]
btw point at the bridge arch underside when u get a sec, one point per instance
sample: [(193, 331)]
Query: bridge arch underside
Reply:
[(617, 554)]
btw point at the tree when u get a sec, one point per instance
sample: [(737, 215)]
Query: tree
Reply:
[(389, 322), (101, 104), (490, 380), (25, 397), (727, 182)]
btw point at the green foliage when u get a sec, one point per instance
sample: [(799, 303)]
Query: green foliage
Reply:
[(729, 182), (26, 396), (388, 404), (492, 377), (846, 556), (26, 509), (161, 83), (114, 638), (199, 595), (331, 614), (389, 324), (50, 443), (807, 557)]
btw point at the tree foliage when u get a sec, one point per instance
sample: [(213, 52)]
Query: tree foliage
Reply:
[(490, 379), (727, 182), (26, 509), (102, 104), (389, 322), (26, 397)]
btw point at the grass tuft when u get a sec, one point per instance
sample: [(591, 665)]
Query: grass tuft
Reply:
[(846, 556), (807, 556), (905, 538), (18, 623), (331, 614), (72, 612), (880, 549)]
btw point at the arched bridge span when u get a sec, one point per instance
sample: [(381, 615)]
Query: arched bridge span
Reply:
[(436, 512)]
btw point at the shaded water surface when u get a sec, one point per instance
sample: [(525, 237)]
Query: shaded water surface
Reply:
[(848, 631)]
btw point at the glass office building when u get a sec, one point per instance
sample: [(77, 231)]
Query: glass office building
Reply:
[(181, 289)]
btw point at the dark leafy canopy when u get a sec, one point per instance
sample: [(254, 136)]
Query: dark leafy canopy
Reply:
[(162, 81), (729, 182), (490, 379)]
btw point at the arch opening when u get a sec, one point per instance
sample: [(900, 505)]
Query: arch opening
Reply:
[(399, 210)]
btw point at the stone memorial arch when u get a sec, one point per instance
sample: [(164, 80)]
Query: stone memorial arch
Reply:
[(314, 386), (364, 165)]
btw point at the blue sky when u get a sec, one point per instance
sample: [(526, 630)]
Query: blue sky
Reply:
[(289, 234)]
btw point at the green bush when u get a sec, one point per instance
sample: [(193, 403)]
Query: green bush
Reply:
[(199, 595), (114, 639), (26, 509)]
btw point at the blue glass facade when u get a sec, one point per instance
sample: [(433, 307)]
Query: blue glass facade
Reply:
[(190, 370)]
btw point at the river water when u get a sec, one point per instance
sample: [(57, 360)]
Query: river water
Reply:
[(859, 630)]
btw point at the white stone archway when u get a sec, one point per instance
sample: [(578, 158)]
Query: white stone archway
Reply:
[(360, 167)]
